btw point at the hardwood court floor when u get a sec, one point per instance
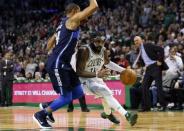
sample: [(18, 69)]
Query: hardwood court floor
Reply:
[(20, 118)]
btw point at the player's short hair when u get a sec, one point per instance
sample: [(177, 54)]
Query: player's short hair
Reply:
[(70, 7), (97, 35)]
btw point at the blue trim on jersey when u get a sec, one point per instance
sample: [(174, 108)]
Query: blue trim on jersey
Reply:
[(76, 34), (60, 54)]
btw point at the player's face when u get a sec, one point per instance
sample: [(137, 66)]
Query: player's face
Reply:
[(98, 44)]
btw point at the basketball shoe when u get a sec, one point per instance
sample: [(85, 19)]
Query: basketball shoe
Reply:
[(131, 118), (111, 117), (49, 117), (40, 119)]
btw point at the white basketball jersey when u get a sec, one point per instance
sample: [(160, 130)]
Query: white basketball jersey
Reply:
[(95, 86), (95, 61)]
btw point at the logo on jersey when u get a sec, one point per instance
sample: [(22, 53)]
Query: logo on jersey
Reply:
[(94, 63)]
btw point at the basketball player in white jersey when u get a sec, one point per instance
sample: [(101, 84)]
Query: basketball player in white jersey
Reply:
[(90, 60), (89, 66)]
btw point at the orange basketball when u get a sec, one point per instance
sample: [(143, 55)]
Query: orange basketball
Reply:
[(128, 77)]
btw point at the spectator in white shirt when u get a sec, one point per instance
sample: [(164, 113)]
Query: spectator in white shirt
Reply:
[(175, 67), (31, 66)]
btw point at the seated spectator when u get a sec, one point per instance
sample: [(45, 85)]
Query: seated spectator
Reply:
[(180, 82), (177, 94), (29, 76), (41, 69), (47, 77), (38, 76), (31, 66), (123, 61), (19, 71), (19, 76), (175, 65)]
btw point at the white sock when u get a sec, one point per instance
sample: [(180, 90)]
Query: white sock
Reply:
[(106, 107), (113, 103)]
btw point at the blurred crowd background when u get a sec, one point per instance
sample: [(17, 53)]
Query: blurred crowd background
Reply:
[(26, 25)]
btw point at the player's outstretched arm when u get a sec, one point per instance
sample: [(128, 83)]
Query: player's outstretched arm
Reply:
[(74, 21), (111, 65), (87, 11)]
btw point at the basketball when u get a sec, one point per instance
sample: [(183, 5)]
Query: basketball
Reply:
[(128, 77)]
